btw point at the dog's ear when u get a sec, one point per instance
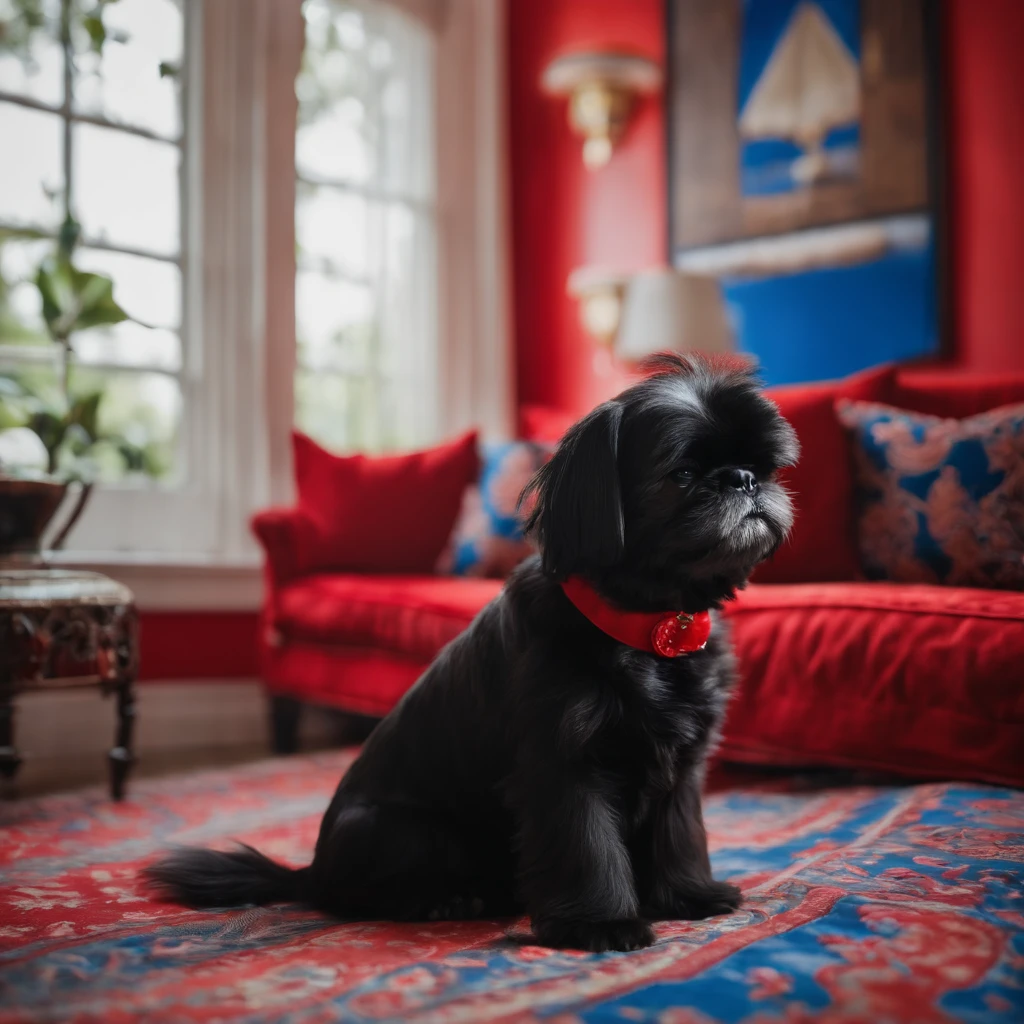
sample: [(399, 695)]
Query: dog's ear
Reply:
[(578, 515)]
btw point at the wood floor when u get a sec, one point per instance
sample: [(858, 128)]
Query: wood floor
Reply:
[(63, 737)]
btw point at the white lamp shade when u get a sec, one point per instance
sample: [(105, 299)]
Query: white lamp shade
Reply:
[(667, 310)]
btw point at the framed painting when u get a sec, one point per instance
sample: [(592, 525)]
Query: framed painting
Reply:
[(802, 175)]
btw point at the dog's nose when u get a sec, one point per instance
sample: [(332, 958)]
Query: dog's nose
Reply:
[(741, 479)]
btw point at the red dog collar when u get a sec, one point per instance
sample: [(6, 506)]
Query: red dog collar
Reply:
[(668, 634)]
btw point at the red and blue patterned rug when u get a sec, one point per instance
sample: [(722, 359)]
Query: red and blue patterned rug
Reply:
[(865, 904)]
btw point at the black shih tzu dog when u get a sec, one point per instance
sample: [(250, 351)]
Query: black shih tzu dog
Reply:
[(551, 758)]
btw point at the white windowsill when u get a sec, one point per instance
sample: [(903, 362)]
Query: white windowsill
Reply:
[(189, 582)]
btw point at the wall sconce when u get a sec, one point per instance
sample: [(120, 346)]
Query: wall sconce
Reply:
[(600, 293), (602, 88)]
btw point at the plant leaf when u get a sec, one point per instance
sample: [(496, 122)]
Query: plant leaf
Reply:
[(98, 308), (93, 24), (134, 456), (53, 279), (51, 429), (84, 413), (75, 299)]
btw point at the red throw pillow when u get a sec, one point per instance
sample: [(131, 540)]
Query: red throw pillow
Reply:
[(823, 544), (386, 514)]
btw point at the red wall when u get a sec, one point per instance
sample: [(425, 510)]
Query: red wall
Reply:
[(985, 93), (564, 216)]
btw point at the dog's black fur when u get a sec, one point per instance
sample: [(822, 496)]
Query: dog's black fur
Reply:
[(539, 764)]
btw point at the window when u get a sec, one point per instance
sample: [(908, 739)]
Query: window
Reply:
[(314, 263), (90, 102), (366, 231)]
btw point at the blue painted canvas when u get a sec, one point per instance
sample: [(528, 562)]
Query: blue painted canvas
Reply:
[(798, 94), (829, 321)]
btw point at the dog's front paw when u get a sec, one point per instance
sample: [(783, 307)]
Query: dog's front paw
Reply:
[(595, 936), (695, 903)]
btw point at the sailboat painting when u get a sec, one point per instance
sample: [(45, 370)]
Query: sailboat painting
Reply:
[(799, 94)]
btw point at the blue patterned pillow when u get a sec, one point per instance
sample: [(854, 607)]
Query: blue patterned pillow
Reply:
[(488, 536), (939, 500)]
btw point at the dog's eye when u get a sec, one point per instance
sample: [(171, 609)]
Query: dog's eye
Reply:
[(683, 475)]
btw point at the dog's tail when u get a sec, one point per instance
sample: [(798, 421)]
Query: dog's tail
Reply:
[(211, 878)]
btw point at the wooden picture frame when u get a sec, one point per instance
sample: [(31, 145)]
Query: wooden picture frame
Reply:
[(707, 204), (777, 241)]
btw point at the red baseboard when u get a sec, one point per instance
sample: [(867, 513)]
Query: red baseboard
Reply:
[(199, 645)]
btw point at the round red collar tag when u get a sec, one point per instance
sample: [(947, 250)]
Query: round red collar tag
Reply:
[(681, 634)]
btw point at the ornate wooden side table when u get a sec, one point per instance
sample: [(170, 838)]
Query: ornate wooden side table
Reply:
[(61, 628)]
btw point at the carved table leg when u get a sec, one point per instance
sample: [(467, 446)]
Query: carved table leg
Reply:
[(10, 760), (13, 628), (121, 756)]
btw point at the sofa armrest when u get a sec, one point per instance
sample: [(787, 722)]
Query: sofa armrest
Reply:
[(284, 534)]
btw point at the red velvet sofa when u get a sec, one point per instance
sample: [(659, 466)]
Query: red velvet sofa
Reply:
[(917, 679)]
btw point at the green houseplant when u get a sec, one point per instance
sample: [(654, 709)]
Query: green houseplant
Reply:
[(71, 300)]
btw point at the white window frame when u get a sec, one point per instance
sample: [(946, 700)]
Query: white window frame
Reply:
[(240, 270)]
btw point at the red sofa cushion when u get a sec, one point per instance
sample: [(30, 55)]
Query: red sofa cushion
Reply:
[(952, 394), (388, 514), (410, 615), (822, 545), (912, 678)]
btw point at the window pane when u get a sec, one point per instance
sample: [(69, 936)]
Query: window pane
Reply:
[(125, 84), (334, 323), (147, 290), (21, 317), (142, 410), (342, 413), (334, 144), (366, 99), (30, 57), (126, 189), (334, 226), (30, 181), (335, 88), (129, 344), (322, 409)]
